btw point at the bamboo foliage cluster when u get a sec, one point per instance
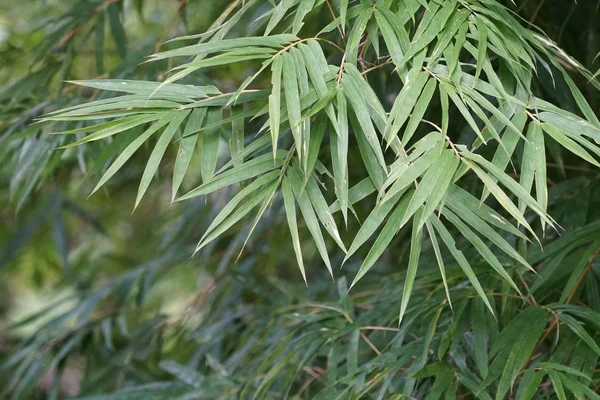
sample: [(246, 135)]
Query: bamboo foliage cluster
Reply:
[(416, 178), (423, 129)]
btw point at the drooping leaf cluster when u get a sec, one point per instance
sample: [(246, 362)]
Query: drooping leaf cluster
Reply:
[(417, 136)]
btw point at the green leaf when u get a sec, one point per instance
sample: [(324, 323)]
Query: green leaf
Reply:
[(480, 246), (339, 154), (237, 141), (117, 30), (123, 125), (388, 232), (132, 148), (275, 101), (278, 13), (403, 105), (292, 99), (290, 211), (210, 144), (370, 225), (569, 144), (187, 145), (557, 385), (433, 186), (309, 216), (343, 14), (201, 49), (577, 328), (250, 169), (419, 111), (439, 258), (438, 23), (158, 153), (252, 201), (482, 45), (413, 264), (363, 118), (148, 88), (356, 34), (239, 198), (528, 387), (461, 260), (499, 194), (325, 216)]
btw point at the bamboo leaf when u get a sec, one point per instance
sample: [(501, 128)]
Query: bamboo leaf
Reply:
[(158, 153)]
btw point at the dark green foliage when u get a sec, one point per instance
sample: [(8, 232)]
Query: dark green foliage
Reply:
[(444, 153)]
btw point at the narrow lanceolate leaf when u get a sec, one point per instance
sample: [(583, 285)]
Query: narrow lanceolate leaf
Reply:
[(117, 30), (187, 145), (500, 195), (572, 124), (403, 104), (275, 101), (201, 49), (433, 186), (290, 212), (112, 129), (454, 24), (356, 98), (511, 185), (480, 333), (460, 105), (411, 173), (438, 23), (453, 61), (527, 166), (237, 141), (481, 247), (482, 34), (292, 99), (461, 260), (147, 88), (315, 146), (355, 37), (158, 153), (413, 264), (309, 216), (356, 193), (469, 216), (304, 90), (240, 197), (265, 204), (132, 148), (305, 7), (252, 201), (371, 224), (385, 237), (569, 144), (210, 144), (339, 154), (439, 258), (390, 37), (317, 68), (322, 209), (343, 14), (278, 13), (522, 347), (250, 169), (541, 185), (419, 111)]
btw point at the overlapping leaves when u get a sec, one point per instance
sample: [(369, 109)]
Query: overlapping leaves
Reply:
[(473, 58)]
